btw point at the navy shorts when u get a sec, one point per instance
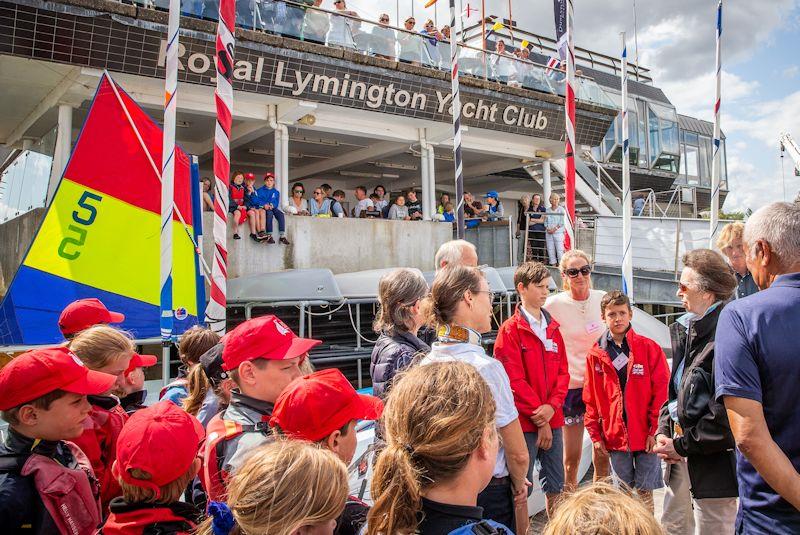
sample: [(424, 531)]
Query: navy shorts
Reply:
[(638, 469), (574, 408), (551, 462)]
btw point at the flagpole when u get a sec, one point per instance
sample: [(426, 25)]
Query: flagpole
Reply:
[(454, 88), (216, 310), (627, 253), (569, 115), (168, 185), (715, 163), (510, 24)]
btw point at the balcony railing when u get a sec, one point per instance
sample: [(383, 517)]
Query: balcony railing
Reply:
[(343, 29)]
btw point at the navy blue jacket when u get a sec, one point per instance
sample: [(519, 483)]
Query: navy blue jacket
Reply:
[(390, 355)]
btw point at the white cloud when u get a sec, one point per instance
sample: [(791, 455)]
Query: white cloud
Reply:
[(791, 72), (696, 98), (764, 121)]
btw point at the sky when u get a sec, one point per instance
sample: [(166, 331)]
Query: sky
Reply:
[(676, 40)]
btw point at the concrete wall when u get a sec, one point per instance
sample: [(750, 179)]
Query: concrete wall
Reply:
[(16, 236), (341, 245)]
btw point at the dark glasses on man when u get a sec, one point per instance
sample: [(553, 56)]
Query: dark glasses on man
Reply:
[(574, 272)]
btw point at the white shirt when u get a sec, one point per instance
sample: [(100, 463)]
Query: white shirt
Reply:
[(580, 325), (363, 204), (539, 327), (495, 376)]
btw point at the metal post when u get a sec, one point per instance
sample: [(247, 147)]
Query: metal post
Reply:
[(165, 363), (677, 247), (547, 184), (511, 241), (63, 148), (432, 177), (302, 320), (358, 326), (424, 177), (358, 368)]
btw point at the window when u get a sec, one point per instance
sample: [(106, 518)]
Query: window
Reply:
[(653, 137), (689, 166), (705, 161)]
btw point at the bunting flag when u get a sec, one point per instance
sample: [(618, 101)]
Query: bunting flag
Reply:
[(216, 310), (715, 162), (569, 115), (168, 169), (100, 235)]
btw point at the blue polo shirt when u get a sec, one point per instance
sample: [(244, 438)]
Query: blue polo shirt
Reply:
[(757, 357)]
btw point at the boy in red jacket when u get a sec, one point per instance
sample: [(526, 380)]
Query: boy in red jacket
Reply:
[(156, 460), (324, 408), (530, 347), (625, 386)]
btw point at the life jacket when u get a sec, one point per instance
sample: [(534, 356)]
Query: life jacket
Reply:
[(182, 382), (484, 527), (99, 443), (218, 432), (70, 495), (150, 519)]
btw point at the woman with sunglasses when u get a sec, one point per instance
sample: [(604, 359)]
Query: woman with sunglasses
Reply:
[(694, 436), (383, 39), (341, 29), (297, 204), (319, 205), (460, 307), (410, 43), (431, 43), (577, 310)]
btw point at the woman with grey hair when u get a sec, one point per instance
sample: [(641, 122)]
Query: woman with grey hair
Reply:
[(694, 436), (399, 318)]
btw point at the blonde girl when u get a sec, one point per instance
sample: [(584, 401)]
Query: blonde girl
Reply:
[(440, 452), (287, 487), (104, 349), (602, 509)]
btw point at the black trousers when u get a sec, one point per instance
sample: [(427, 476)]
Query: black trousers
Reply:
[(497, 501)]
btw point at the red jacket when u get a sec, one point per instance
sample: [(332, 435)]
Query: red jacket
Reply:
[(538, 375), (99, 442), (645, 393), (138, 518)]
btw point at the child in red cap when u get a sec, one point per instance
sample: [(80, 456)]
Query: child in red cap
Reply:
[(104, 349), (263, 356), (84, 313), (156, 460), (324, 408), (43, 399), (131, 391)]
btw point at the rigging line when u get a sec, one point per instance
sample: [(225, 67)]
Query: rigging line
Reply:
[(326, 313), (635, 41), (157, 172), (353, 324)]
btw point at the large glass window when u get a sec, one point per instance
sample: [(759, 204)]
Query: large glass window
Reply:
[(662, 126), (690, 165), (653, 137), (705, 161)]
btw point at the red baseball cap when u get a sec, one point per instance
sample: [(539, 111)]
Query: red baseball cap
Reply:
[(84, 313), (141, 361), (36, 373), (267, 338), (249, 176), (268, 175), (161, 440), (314, 406)]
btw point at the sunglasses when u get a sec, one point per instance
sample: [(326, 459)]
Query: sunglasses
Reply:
[(384, 20), (299, 191), (573, 272), (683, 288), (317, 193)]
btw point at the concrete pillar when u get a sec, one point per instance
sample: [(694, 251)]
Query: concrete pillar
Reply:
[(63, 148), (547, 184), (432, 177), (27, 143), (284, 163), (424, 166)]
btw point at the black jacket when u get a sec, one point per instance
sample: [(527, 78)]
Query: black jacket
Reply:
[(390, 355), (20, 504), (707, 440)]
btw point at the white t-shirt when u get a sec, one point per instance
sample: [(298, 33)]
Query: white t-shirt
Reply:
[(493, 373), (363, 204), (580, 325)]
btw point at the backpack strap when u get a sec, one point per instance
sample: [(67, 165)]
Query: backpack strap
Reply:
[(482, 527), (168, 528), (13, 463)]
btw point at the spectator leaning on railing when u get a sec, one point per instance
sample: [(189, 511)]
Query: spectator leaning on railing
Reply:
[(410, 43), (341, 33), (316, 24), (494, 208), (383, 39), (319, 205), (399, 210), (414, 205), (364, 202)]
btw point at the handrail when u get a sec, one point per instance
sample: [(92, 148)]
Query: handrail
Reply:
[(260, 15), (609, 182)]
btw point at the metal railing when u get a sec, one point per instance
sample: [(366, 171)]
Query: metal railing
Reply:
[(671, 202), (345, 29)]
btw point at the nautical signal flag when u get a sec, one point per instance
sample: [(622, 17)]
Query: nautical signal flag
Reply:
[(468, 11), (100, 236)]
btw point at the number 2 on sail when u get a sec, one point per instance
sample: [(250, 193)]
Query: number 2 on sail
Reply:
[(69, 247)]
